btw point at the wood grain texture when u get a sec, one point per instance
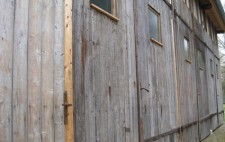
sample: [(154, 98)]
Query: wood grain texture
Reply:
[(123, 86), (68, 68), (47, 45), (59, 128), (34, 70), (155, 73), (104, 86), (20, 64), (6, 69)]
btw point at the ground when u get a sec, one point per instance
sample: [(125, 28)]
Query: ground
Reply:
[(217, 136)]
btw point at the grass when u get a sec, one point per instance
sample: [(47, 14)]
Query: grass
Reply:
[(224, 113)]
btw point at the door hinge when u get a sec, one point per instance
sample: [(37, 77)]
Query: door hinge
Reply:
[(66, 105)]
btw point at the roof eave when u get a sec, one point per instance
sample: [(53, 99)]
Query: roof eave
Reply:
[(222, 14)]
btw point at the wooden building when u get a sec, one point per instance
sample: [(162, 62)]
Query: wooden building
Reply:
[(110, 71)]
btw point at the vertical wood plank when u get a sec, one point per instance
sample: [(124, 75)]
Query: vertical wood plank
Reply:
[(68, 68), (20, 72), (59, 128), (47, 124), (6, 70), (34, 70)]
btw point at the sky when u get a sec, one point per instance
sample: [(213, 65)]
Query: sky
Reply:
[(223, 2), (221, 36)]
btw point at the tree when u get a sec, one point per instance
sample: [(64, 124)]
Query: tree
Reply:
[(221, 45)]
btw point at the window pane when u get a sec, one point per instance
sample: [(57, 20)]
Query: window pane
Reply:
[(154, 28), (104, 4), (186, 49), (200, 59)]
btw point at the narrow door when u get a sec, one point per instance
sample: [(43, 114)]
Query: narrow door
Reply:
[(202, 96)]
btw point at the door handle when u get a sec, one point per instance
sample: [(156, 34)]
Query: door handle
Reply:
[(66, 105)]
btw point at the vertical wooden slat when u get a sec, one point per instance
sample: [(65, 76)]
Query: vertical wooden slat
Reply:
[(79, 97), (68, 68), (6, 59), (47, 128), (34, 70), (20, 72), (59, 128)]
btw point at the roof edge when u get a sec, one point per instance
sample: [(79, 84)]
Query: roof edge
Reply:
[(221, 10)]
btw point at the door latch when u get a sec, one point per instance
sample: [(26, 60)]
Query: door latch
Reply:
[(66, 105)]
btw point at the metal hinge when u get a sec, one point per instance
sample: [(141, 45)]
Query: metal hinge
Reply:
[(66, 105)]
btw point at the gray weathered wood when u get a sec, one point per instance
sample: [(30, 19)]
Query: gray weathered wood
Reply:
[(20, 64), (58, 71), (47, 45), (34, 70), (6, 69)]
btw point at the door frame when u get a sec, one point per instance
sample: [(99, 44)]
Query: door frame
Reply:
[(68, 73)]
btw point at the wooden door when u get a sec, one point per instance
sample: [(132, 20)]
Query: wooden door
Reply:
[(68, 72), (202, 95)]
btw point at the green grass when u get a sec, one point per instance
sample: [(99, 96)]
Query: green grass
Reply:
[(224, 113)]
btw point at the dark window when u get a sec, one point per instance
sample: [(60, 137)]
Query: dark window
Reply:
[(106, 5), (154, 24), (200, 60), (187, 49)]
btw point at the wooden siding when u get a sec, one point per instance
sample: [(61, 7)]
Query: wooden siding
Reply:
[(105, 75), (31, 70), (125, 87), (156, 79), (186, 76)]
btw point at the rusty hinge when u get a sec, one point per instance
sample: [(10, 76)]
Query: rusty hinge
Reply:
[(66, 105)]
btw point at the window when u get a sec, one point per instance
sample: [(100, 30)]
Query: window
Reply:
[(211, 67), (106, 7), (200, 60), (187, 51), (155, 25), (217, 71)]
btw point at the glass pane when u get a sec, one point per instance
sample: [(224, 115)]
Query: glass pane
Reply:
[(104, 4), (186, 49), (200, 59), (154, 28)]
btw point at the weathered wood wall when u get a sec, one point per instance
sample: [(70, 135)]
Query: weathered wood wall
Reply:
[(156, 78), (105, 75), (126, 88), (204, 98), (31, 70), (186, 82)]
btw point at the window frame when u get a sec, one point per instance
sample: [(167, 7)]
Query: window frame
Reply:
[(112, 15), (157, 13), (188, 59), (217, 71), (200, 62)]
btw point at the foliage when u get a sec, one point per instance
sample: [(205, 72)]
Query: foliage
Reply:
[(221, 44), (224, 113)]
